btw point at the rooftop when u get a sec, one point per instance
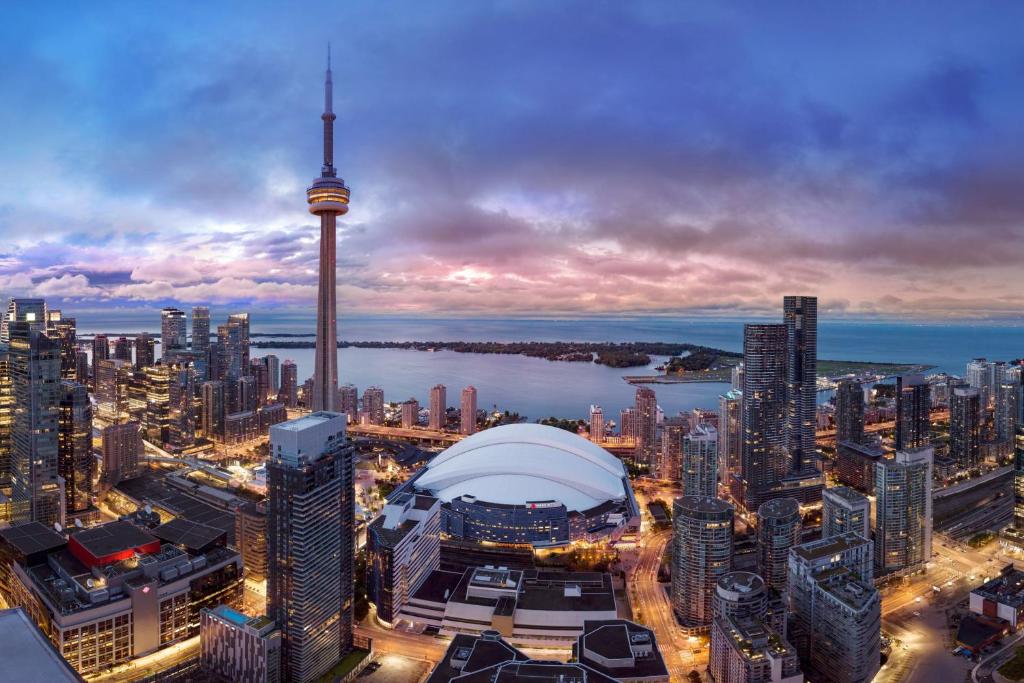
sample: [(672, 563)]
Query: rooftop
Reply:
[(621, 639), (112, 537), (32, 537), (27, 655), (192, 535), (846, 493), (1007, 588), (825, 547)]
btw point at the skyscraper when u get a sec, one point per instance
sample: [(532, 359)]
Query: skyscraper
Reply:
[(145, 351), (1008, 406), (438, 406), (373, 405), (100, 351), (835, 610), (965, 427), (123, 349), (699, 472), (328, 198), (122, 448), (701, 555), (74, 446), (800, 314), (36, 493), (646, 426), (62, 330), (214, 410), (670, 458), (467, 410), (410, 413), (289, 394), (903, 510), (173, 330), (273, 365), (763, 408), (778, 529), (348, 401), (200, 329), (730, 436), (849, 411), (913, 417), (845, 509), (311, 542)]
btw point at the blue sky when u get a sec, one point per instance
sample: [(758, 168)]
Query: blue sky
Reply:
[(518, 157)]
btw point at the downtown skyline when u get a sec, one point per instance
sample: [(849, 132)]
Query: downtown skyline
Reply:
[(746, 161)]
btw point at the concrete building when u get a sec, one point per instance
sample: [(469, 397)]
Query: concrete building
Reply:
[(238, 647), (467, 409), (112, 593), (699, 473), (403, 546), (742, 594), (1008, 408), (836, 611), (201, 336), (121, 451), (62, 330), (670, 455), (527, 606), (965, 427), (596, 423), (702, 553), (348, 402), (622, 650), (438, 407), (845, 509), (373, 405), (746, 650), (779, 527), (173, 330), (289, 393), (310, 542), (903, 511), (849, 411), (410, 413), (646, 426), (730, 436), (764, 461), (145, 351), (251, 538), (913, 412), (855, 464)]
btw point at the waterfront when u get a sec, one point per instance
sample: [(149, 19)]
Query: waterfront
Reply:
[(539, 388)]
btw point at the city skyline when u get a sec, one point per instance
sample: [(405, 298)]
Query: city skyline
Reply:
[(890, 186)]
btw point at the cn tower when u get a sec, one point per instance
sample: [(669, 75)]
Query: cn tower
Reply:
[(328, 198)]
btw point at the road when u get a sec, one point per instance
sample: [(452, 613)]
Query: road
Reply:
[(651, 606), (161, 660), (982, 673)]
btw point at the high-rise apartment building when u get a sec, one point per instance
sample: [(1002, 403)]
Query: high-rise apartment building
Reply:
[(646, 426), (76, 463), (236, 647), (835, 610), (438, 407), (82, 367), (467, 411), (373, 405), (628, 423), (849, 411), (800, 314), (965, 427), (273, 365), (311, 542), (763, 413), (251, 538), (747, 650), (348, 401), (123, 349), (100, 351), (111, 382), (903, 510), (36, 491), (670, 455), (410, 413), (260, 374), (214, 409), (596, 423), (699, 472), (730, 436), (173, 330), (736, 377), (913, 412), (701, 555), (122, 449), (845, 509), (1008, 407), (289, 394), (200, 329), (779, 527)]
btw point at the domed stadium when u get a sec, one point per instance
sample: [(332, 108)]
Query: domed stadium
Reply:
[(529, 484)]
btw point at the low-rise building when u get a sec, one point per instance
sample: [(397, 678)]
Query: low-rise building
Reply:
[(240, 648), (114, 592), (622, 650), (529, 606), (1002, 597)]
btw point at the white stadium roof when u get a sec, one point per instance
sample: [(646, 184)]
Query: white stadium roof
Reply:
[(513, 464)]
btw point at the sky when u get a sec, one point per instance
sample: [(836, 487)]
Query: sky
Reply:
[(543, 158)]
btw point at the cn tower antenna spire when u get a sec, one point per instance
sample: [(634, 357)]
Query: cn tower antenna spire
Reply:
[(328, 117)]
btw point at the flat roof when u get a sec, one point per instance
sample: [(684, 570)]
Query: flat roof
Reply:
[(26, 655), (306, 421), (112, 537), (192, 535), (829, 546), (32, 537), (615, 639)]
